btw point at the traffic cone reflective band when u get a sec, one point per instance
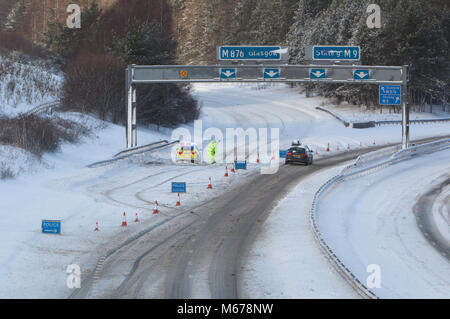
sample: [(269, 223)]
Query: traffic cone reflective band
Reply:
[(328, 147), (179, 201), (210, 184), (124, 220), (155, 209), (96, 227), (226, 171), (232, 168), (136, 219)]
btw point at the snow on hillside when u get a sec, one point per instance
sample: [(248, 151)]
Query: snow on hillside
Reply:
[(26, 85)]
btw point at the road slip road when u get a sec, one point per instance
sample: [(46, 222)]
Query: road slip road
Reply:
[(199, 254)]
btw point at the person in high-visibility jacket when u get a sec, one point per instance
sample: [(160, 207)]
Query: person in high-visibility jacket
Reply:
[(212, 149)]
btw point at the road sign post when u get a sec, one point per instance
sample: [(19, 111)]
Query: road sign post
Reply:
[(405, 108)]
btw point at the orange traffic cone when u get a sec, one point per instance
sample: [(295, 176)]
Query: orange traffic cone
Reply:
[(124, 220), (179, 201), (136, 220), (155, 209), (232, 168), (210, 184), (328, 147), (226, 171), (257, 159), (96, 227)]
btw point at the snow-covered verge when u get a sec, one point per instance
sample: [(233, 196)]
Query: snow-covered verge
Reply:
[(370, 221), (441, 212), (285, 261), (352, 113), (25, 85), (34, 265), (15, 161)]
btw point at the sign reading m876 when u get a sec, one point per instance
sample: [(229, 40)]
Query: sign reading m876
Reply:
[(249, 53), (333, 53)]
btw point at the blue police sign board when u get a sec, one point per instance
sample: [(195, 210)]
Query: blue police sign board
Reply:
[(178, 187), (390, 94), (283, 154), (250, 53), (318, 74), (240, 165), (271, 73), (227, 73), (332, 53), (51, 226), (361, 75)]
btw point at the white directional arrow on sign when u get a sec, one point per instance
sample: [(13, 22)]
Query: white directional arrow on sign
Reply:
[(318, 74), (361, 75), (228, 73), (271, 73)]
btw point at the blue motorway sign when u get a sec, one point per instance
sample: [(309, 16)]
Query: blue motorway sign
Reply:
[(332, 53), (283, 154), (271, 73), (178, 187), (318, 74), (361, 75), (249, 53), (240, 165), (390, 94), (51, 226), (227, 73)]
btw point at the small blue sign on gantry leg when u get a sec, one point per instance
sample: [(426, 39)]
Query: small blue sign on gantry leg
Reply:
[(51, 226), (178, 187)]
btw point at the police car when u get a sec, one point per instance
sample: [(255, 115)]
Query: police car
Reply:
[(188, 152)]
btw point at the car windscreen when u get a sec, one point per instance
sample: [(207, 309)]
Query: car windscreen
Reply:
[(297, 150)]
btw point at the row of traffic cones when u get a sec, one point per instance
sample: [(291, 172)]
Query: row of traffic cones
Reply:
[(124, 221), (348, 146), (136, 220)]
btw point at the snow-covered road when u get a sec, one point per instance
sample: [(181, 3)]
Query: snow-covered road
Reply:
[(33, 265)]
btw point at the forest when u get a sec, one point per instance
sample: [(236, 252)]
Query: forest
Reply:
[(115, 33)]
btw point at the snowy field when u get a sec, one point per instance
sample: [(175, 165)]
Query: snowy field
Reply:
[(33, 265), (370, 220)]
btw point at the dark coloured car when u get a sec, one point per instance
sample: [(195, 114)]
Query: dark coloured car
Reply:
[(299, 154)]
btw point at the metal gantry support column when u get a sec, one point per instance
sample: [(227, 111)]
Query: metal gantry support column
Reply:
[(129, 95), (131, 131), (405, 109), (133, 117)]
